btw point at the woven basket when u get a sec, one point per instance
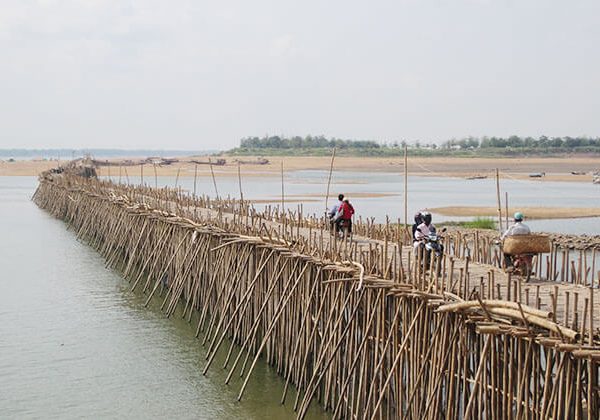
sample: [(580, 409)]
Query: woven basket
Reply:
[(526, 244)]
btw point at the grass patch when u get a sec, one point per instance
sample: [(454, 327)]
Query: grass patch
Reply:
[(480, 223), (477, 223)]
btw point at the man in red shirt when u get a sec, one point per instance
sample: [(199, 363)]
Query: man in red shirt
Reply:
[(345, 213)]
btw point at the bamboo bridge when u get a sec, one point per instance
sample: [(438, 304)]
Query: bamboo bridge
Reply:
[(354, 324)]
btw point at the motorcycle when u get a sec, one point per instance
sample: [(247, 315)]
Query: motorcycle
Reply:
[(432, 245), (522, 265), (519, 264), (344, 229), (340, 227)]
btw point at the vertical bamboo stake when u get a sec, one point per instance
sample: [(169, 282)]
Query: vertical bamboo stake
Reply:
[(405, 185), (240, 183), (212, 173), (177, 177), (506, 214), (329, 181), (195, 177), (282, 191), (498, 197), (155, 176), (480, 369), (141, 174), (591, 299)]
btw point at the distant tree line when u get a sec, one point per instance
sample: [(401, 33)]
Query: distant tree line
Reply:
[(469, 146), (308, 142), (522, 142)]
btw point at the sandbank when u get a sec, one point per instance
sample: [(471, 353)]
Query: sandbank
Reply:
[(529, 212), (555, 168)]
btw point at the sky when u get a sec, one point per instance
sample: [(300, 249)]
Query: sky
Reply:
[(199, 75)]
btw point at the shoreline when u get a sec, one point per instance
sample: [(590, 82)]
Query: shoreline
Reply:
[(555, 169)]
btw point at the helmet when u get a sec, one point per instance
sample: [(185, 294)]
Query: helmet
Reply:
[(418, 218), (341, 197), (426, 217), (518, 216)]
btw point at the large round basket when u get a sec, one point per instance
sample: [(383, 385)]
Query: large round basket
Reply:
[(526, 244)]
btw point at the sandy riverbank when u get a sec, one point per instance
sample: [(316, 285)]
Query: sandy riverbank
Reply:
[(556, 169), (529, 212)]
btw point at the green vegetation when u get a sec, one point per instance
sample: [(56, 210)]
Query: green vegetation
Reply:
[(471, 146), (480, 223), (310, 146), (525, 145), (477, 223)]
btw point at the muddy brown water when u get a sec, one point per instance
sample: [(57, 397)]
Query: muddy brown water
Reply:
[(76, 343)]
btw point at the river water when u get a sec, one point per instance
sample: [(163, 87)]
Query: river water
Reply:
[(75, 342), (423, 192)]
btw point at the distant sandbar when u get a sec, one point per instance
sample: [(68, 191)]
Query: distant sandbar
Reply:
[(529, 212)]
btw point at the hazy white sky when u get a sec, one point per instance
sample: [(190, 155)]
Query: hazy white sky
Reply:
[(202, 74)]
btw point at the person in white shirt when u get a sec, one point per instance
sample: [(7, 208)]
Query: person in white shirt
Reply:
[(518, 228), (426, 227), (333, 212), (334, 209), (423, 230), (421, 235)]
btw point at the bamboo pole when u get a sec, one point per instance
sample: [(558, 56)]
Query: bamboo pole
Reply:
[(240, 183), (177, 177), (506, 209), (396, 360), (195, 177), (212, 173), (282, 191), (155, 176), (329, 181), (405, 185), (498, 201)]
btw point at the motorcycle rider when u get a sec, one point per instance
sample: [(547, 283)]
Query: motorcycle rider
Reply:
[(418, 221), (334, 209), (517, 228), (422, 232), (344, 216), (423, 229), (333, 212)]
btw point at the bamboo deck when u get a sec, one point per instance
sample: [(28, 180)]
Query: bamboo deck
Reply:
[(356, 324)]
